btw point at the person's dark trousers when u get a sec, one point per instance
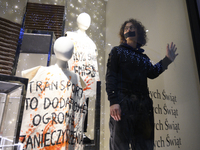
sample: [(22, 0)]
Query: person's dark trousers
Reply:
[(136, 127)]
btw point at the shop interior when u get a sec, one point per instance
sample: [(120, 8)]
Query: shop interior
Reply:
[(30, 59)]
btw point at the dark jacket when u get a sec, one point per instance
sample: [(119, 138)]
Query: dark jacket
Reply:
[(128, 70)]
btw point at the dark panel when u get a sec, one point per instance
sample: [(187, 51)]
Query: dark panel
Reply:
[(95, 144), (45, 17), (195, 29), (9, 34)]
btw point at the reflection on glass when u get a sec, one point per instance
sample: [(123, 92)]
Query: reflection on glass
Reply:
[(27, 61), (2, 104), (12, 10), (10, 108)]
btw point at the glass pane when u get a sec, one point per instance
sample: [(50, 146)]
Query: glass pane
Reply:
[(11, 110), (2, 104), (13, 10), (5, 146), (175, 93), (27, 61)]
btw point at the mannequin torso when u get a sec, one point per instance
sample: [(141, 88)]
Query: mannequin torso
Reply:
[(84, 59), (51, 94)]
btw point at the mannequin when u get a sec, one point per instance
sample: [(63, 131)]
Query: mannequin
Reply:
[(55, 104), (83, 22), (63, 49), (84, 62)]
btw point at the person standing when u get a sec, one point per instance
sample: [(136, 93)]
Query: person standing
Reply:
[(131, 108)]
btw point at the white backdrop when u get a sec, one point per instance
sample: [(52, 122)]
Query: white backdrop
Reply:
[(176, 92)]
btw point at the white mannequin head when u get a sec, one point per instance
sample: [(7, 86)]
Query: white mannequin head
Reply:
[(63, 48), (83, 21)]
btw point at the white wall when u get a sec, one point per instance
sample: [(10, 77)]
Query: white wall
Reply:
[(167, 21)]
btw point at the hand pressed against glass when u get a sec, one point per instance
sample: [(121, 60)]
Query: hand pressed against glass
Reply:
[(171, 51)]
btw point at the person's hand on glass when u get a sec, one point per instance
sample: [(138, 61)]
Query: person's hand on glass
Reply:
[(171, 51), (115, 112)]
